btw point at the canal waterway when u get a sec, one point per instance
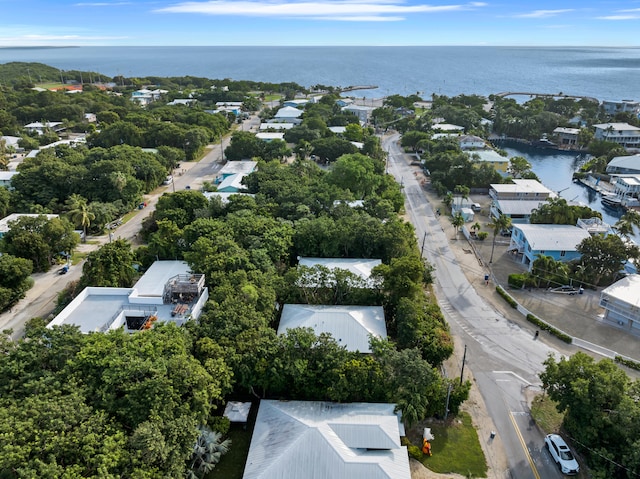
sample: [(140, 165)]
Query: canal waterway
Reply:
[(555, 170)]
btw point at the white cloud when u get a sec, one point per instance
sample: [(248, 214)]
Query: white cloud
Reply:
[(340, 10), (619, 17), (544, 13)]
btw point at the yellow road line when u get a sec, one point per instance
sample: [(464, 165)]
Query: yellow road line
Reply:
[(524, 446)]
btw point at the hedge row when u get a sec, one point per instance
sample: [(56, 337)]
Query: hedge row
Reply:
[(628, 363), (545, 327), (512, 302)]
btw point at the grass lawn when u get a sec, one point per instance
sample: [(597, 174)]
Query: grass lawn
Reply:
[(456, 448), (272, 97), (231, 466), (545, 414)]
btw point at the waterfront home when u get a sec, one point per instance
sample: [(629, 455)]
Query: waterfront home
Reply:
[(471, 142), (621, 303), (518, 199), (167, 292), (313, 439), (296, 103), (627, 187), (611, 107), (567, 136), (627, 136), (492, 158), (349, 325), (625, 165), (528, 242)]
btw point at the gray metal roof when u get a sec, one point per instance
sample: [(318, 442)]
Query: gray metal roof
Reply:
[(350, 326), (519, 207), (322, 440), (521, 186), (552, 237), (631, 162)]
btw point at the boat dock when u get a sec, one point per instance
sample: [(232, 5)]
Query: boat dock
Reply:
[(602, 187)]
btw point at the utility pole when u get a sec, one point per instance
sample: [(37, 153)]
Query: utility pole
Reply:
[(424, 239), (446, 407), (464, 357), (221, 149)]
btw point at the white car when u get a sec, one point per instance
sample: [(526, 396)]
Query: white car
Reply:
[(561, 453)]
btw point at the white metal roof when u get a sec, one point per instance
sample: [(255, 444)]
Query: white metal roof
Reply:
[(447, 127), (631, 162), (237, 411), (552, 237), (359, 266), (350, 326), (276, 126), (289, 112), (224, 196), (338, 130), (153, 280), (521, 186), (7, 175), (488, 156), (4, 222), (567, 131), (322, 440), (232, 182), (244, 166), (626, 290), (270, 136), (617, 127)]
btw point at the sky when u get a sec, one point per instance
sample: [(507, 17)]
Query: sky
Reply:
[(319, 22)]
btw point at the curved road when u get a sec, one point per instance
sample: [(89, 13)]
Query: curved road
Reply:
[(503, 357)]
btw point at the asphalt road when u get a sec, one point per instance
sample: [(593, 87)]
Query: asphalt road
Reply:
[(504, 359)]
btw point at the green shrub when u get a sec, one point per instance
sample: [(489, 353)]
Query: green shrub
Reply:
[(482, 235), (517, 280), (220, 424), (546, 327), (630, 363), (512, 302)]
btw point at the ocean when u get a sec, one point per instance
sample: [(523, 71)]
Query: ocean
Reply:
[(603, 73)]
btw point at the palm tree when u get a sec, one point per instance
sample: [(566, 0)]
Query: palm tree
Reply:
[(79, 212), (462, 192), (457, 221), (502, 222), (207, 452), (625, 225), (475, 227)]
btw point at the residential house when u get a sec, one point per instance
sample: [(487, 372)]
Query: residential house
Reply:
[(276, 126), (288, 113), (471, 142), (492, 158), (90, 117), (621, 303), (11, 142), (167, 292), (296, 103), (234, 167), (626, 187), (338, 130), (529, 242), (447, 128), (517, 199), (625, 135), (224, 197), (359, 266), (6, 177), (268, 137), (296, 439), (625, 165), (145, 96), (182, 101), (231, 183), (39, 127), (362, 112), (611, 107), (350, 326), (342, 102), (567, 136), (5, 222)]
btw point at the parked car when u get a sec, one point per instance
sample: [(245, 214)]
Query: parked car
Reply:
[(561, 453), (476, 207)]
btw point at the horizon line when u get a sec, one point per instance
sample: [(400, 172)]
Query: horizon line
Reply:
[(6, 47)]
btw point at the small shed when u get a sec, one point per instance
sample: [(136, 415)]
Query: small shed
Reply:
[(467, 214), (237, 411)]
